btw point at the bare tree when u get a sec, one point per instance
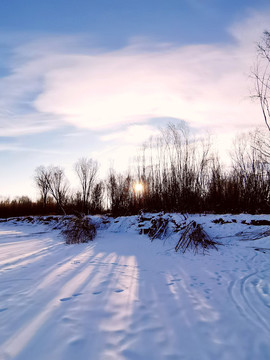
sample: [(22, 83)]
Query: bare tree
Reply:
[(98, 197), (261, 74), (250, 173), (58, 185), (41, 179), (260, 142), (86, 170)]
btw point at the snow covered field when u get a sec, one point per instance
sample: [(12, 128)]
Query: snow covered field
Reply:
[(125, 297)]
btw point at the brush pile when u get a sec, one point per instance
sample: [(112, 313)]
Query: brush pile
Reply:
[(195, 238), (79, 229), (158, 227)]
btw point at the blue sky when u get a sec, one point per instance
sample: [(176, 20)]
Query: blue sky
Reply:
[(96, 78), (112, 23)]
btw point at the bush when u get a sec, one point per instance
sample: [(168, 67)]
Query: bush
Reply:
[(79, 229)]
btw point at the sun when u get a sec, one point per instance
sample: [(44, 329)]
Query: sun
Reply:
[(138, 188)]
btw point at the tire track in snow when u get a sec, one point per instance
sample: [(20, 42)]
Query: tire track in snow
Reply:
[(238, 291)]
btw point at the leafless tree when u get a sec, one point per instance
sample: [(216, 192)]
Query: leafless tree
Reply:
[(261, 74), (86, 169), (260, 142), (41, 179), (174, 168), (58, 185), (251, 172), (98, 197)]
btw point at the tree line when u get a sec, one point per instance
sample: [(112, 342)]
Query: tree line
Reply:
[(176, 171)]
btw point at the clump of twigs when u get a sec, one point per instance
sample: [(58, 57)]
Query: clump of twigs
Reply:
[(194, 237), (79, 229), (158, 228)]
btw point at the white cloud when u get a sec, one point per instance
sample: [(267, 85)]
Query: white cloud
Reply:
[(202, 84), (205, 85), (24, 124)]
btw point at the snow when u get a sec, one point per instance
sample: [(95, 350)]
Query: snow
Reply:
[(125, 297)]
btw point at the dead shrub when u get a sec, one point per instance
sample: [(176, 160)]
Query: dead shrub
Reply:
[(194, 237), (79, 229)]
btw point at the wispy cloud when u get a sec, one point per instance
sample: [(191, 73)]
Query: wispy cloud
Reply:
[(22, 148), (134, 134), (205, 85)]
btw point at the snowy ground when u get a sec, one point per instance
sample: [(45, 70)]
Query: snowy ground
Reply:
[(125, 297)]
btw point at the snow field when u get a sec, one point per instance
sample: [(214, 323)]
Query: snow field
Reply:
[(124, 297)]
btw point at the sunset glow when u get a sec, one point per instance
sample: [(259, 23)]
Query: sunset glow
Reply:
[(138, 188)]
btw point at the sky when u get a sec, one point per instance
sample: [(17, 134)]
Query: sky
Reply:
[(96, 78)]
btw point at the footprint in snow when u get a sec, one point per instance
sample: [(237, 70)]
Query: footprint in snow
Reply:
[(66, 299), (118, 290), (255, 282), (77, 294), (3, 309), (265, 290), (97, 292)]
